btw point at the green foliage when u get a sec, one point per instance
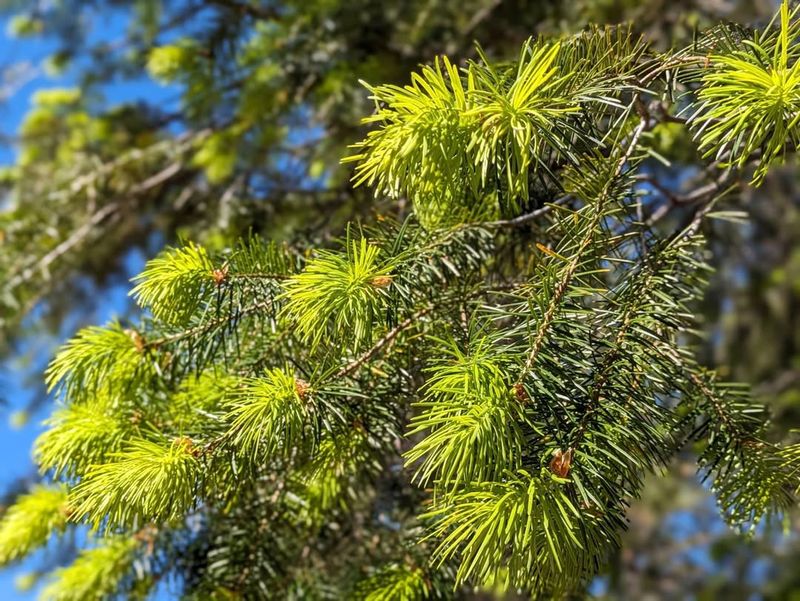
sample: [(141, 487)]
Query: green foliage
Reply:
[(32, 520), (482, 136), (57, 97), (490, 380), (97, 358), (269, 414), (471, 419), (465, 135), (394, 583), (426, 123), (96, 574), (145, 482), (338, 296), (521, 530), (23, 26), (199, 397), (751, 478), (167, 63), (171, 285), (749, 100), (517, 127), (790, 457), (329, 480), (78, 436), (217, 155)]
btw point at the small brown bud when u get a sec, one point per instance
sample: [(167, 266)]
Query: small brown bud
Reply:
[(186, 444), (520, 393), (138, 339), (381, 281), (561, 463), (136, 417), (68, 511), (302, 387), (220, 275)]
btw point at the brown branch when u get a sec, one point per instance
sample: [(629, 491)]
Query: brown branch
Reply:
[(563, 283), (523, 219), (696, 196), (77, 236), (387, 339)]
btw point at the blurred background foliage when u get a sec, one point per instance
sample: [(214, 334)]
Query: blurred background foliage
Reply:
[(153, 120)]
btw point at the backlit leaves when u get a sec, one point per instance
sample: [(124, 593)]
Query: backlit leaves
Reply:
[(470, 419), (522, 531), (447, 137), (96, 573)]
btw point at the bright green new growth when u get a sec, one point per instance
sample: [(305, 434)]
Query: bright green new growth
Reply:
[(268, 415), (97, 360), (749, 100), (29, 523), (147, 481), (199, 397), (339, 295), (471, 419), (178, 274), (329, 481), (517, 127), (527, 520), (78, 436), (95, 574), (446, 138), (419, 150)]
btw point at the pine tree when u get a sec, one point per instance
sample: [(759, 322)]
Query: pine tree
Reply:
[(466, 397)]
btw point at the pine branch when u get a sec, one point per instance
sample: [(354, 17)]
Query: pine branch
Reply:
[(30, 522), (79, 235), (78, 436), (386, 340), (751, 479), (146, 482), (108, 357), (257, 419), (205, 328), (97, 573), (269, 414), (338, 296)]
